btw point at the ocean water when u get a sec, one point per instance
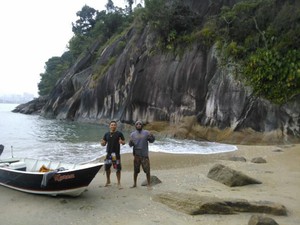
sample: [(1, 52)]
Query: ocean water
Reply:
[(33, 136)]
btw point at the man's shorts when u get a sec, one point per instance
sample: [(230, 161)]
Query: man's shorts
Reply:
[(116, 164), (144, 161)]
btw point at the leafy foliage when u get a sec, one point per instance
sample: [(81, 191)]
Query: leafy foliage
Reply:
[(171, 21), (261, 36), (256, 37), (55, 67), (86, 21), (274, 76), (90, 26), (103, 68), (102, 28)]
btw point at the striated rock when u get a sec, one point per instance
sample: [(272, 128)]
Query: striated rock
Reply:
[(230, 177), (194, 205), (257, 206), (261, 220)]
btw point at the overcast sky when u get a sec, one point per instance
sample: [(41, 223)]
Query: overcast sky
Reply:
[(32, 31)]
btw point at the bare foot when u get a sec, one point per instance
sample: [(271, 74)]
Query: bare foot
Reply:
[(133, 186), (149, 188), (120, 187), (107, 184)]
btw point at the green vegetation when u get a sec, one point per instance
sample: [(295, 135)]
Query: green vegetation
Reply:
[(103, 68), (174, 23), (274, 76), (92, 25), (54, 69), (258, 38)]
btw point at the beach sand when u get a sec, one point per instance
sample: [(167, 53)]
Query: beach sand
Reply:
[(178, 173)]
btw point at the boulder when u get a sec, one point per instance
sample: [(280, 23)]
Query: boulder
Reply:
[(238, 158), (193, 204), (153, 181), (230, 177), (258, 160), (261, 220)]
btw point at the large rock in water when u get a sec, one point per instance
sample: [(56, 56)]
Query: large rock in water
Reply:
[(33, 107), (230, 177)]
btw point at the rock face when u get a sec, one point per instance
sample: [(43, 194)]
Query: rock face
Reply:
[(144, 83)]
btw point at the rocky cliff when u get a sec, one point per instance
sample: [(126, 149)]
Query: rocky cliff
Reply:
[(144, 83)]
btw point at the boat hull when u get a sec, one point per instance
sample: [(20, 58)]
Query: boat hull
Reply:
[(69, 182)]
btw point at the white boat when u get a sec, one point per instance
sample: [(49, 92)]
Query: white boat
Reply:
[(46, 177)]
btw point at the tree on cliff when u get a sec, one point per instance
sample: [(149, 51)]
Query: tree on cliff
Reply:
[(130, 4), (110, 7), (91, 25), (86, 22), (54, 69)]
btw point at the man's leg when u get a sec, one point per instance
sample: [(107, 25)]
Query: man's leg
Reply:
[(136, 169), (146, 168), (119, 177), (148, 179), (135, 175), (107, 177)]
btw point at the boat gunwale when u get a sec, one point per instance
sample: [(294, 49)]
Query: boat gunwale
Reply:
[(75, 166)]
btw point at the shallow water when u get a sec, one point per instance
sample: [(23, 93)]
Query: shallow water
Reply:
[(36, 137)]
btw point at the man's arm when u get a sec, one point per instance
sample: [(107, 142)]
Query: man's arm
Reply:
[(122, 141), (103, 141)]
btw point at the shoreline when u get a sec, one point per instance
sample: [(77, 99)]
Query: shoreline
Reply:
[(178, 173)]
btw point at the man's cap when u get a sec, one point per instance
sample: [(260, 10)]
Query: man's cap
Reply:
[(138, 122)]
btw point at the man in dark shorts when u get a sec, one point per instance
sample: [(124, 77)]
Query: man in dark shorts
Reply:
[(112, 140), (139, 141)]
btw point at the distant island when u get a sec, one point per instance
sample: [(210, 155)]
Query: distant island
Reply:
[(16, 98)]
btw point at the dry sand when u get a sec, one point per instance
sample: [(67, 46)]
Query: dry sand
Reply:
[(179, 173)]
